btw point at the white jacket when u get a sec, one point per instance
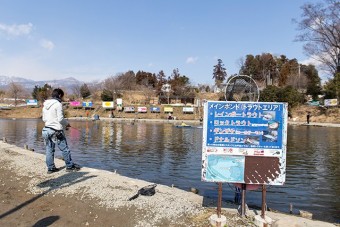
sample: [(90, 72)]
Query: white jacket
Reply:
[(53, 115)]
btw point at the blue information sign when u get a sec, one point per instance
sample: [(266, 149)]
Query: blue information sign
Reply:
[(245, 125), (244, 142)]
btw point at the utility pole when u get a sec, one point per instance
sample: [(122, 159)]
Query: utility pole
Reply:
[(337, 82), (338, 64), (299, 73)]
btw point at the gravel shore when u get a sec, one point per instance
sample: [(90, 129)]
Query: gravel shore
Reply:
[(92, 197)]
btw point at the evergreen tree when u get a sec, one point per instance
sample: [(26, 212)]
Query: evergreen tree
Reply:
[(219, 74), (314, 81), (161, 80), (85, 91), (42, 93), (332, 88)]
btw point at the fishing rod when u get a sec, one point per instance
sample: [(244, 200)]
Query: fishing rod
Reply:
[(67, 127)]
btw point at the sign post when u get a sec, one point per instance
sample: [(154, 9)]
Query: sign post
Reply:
[(245, 143), (243, 203), (263, 207), (219, 203)]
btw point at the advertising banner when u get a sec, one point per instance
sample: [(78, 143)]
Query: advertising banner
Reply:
[(87, 104), (75, 104), (31, 102), (130, 109), (188, 109), (155, 110), (331, 102), (142, 109), (168, 109), (119, 104), (4, 106), (244, 142), (107, 105)]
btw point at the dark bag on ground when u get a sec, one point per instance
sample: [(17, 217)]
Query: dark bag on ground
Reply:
[(147, 191)]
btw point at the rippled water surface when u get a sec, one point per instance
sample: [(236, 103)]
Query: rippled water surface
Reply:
[(164, 154)]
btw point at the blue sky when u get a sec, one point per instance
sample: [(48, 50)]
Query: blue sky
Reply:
[(92, 40)]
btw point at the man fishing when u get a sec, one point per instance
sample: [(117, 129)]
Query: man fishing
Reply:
[(53, 132)]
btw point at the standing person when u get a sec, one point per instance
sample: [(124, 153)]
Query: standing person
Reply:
[(53, 132), (308, 117)]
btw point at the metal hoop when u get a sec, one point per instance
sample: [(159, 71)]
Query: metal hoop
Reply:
[(251, 83)]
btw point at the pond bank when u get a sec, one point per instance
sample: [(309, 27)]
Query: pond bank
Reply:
[(94, 197), (196, 122), (318, 124)]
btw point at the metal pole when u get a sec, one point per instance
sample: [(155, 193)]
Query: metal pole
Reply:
[(263, 201), (219, 203), (243, 205)]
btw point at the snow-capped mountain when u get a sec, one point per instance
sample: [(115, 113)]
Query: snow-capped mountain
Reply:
[(66, 83)]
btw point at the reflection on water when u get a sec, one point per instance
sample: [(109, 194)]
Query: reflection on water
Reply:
[(168, 155)]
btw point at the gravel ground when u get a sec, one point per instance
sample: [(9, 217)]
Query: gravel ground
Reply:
[(167, 207)]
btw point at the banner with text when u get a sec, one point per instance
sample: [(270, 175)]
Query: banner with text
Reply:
[(244, 142)]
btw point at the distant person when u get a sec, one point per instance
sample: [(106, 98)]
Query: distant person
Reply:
[(308, 117), (53, 132), (87, 113), (170, 117), (96, 117)]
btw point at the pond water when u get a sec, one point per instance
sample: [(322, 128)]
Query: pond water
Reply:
[(164, 154)]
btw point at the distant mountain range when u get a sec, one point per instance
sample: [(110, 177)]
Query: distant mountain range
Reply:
[(66, 83)]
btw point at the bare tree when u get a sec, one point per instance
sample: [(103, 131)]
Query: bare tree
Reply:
[(15, 90), (76, 90), (320, 30), (297, 81), (112, 87), (148, 92), (95, 88), (127, 80), (2, 93), (240, 62)]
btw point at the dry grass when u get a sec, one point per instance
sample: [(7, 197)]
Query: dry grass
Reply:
[(318, 114)]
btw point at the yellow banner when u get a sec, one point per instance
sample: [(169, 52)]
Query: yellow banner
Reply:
[(107, 104), (168, 109)]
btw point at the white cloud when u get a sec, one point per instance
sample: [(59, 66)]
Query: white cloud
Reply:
[(191, 60), (47, 44), (16, 30), (311, 61), (150, 64)]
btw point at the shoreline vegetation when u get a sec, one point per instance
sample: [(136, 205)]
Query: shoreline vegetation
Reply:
[(96, 197), (319, 116)]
